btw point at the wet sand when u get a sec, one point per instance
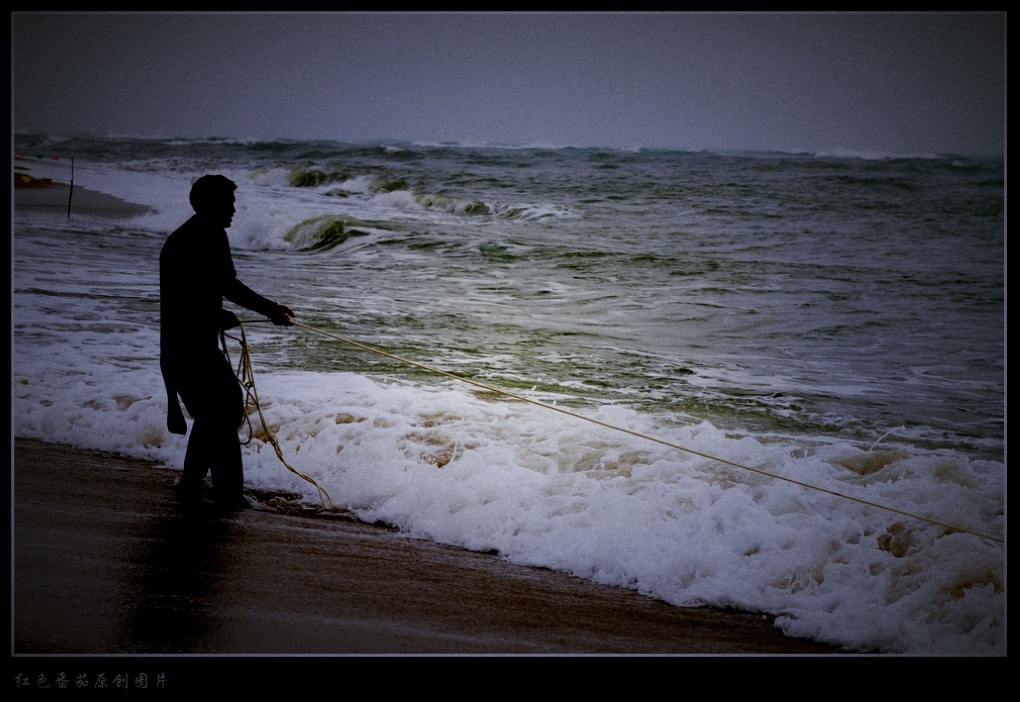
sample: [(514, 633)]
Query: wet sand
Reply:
[(107, 562)]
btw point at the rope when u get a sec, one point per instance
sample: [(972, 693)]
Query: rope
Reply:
[(246, 377), (554, 408)]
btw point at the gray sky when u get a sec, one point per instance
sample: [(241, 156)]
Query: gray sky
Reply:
[(888, 82)]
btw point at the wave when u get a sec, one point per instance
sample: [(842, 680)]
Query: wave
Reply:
[(322, 233)]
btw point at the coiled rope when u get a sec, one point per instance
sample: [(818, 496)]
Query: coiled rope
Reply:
[(647, 437), (246, 377)]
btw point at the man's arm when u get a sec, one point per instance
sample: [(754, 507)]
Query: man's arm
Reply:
[(240, 294)]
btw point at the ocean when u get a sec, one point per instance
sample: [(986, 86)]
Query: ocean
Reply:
[(766, 381)]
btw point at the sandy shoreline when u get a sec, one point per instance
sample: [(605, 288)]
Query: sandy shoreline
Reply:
[(107, 563), (54, 196)]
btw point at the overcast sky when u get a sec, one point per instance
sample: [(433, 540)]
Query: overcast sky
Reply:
[(900, 83)]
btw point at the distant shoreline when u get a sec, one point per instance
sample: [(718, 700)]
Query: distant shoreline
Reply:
[(40, 194)]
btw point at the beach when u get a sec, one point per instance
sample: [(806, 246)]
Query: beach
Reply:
[(106, 562), (476, 525), (53, 196)]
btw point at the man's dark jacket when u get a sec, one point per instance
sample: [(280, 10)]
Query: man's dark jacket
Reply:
[(196, 272)]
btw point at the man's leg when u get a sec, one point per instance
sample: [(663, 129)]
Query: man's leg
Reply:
[(197, 459), (198, 456), (226, 466), (215, 399)]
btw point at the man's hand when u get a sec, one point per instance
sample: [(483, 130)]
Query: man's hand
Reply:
[(229, 320), (282, 316)]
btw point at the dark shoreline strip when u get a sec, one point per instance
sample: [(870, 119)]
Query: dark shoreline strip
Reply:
[(106, 562)]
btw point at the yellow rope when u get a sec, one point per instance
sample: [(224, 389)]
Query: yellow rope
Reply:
[(647, 437), (246, 376)]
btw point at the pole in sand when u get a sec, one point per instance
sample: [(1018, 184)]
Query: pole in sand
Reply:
[(70, 191)]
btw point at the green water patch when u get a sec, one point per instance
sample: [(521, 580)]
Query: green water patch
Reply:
[(305, 178), (323, 233), (389, 185)]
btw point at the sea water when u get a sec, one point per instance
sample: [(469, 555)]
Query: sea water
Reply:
[(767, 381)]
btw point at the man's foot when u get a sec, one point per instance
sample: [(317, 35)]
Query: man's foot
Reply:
[(189, 492), (235, 503)]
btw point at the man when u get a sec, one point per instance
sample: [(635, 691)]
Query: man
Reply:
[(195, 273)]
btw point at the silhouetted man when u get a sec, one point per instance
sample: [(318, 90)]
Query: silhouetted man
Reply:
[(195, 273)]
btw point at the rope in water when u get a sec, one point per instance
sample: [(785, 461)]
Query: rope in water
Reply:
[(647, 437)]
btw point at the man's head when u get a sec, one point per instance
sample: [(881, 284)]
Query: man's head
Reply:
[(214, 195)]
